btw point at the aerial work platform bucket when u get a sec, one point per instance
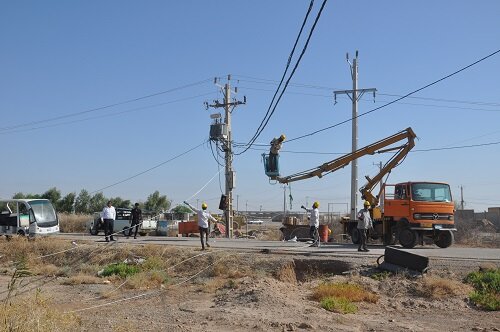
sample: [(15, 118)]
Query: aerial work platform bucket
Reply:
[(272, 173)]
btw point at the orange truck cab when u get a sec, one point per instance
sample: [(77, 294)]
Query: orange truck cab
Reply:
[(410, 211)]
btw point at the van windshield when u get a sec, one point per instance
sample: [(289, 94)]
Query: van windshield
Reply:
[(431, 192), (45, 215)]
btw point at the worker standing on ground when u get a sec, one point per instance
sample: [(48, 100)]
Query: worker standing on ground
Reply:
[(313, 222), (274, 151), (204, 218), (364, 223), (108, 216), (136, 219)]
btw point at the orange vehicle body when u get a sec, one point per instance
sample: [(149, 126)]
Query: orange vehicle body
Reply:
[(410, 211)]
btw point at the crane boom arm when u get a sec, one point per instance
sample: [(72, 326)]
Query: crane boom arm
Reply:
[(377, 147)]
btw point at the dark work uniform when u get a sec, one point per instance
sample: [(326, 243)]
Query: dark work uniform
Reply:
[(136, 217)]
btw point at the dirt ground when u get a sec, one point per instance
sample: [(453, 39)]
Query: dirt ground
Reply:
[(261, 292)]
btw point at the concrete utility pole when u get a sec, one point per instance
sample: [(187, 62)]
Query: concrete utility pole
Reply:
[(462, 197), (284, 202), (379, 164), (227, 143), (355, 95)]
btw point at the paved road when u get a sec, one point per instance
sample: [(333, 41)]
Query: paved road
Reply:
[(453, 253)]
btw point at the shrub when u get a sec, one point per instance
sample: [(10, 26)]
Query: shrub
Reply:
[(120, 269), (339, 304), (487, 288)]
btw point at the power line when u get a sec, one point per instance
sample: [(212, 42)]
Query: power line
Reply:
[(285, 71), (105, 107), (418, 150), (149, 169), (319, 87), (400, 103), (457, 147), (266, 121), (105, 115), (398, 99)]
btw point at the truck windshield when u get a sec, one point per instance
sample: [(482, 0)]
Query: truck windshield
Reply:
[(45, 215), (431, 192)]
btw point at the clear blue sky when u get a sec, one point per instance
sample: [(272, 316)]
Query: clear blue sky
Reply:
[(64, 57)]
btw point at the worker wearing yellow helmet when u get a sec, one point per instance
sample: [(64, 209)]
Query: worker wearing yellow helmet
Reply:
[(313, 222), (204, 218), (274, 152), (364, 223)]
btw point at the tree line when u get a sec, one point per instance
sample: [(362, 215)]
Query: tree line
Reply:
[(84, 203)]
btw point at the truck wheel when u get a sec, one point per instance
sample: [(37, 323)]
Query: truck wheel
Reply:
[(355, 237), (21, 232), (444, 239), (408, 238), (389, 239), (94, 231)]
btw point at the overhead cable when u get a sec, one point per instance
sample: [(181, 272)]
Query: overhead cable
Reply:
[(60, 117), (266, 119), (398, 99), (149, 169), (105, 115)]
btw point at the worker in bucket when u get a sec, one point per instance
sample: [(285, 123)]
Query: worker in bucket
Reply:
[(204, 218), (364, 223), (274, 151), (313, 223)]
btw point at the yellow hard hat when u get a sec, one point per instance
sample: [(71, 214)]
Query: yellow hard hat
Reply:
[(366, 203), (316, 205), (282, 137), (204, 206)]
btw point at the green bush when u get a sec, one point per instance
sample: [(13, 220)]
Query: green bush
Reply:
[(121, 269), (487, 288), (339, 304)]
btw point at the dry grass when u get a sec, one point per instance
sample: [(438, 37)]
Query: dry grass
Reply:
[(438, 288), (36, 313), (147, 280), (229, 267), (73, 223), (287, 273), (83, 279), (351, 292)]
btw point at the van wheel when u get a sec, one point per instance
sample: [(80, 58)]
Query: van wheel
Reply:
[(127, 231), (94, 231), (21, 232), (444, 239), (408, 238), (355, 237)]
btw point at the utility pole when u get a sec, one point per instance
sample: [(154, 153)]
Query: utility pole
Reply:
[(225, 136), (379, 164), (237, 204), (355, 95), (284, 201), (462, 197)]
